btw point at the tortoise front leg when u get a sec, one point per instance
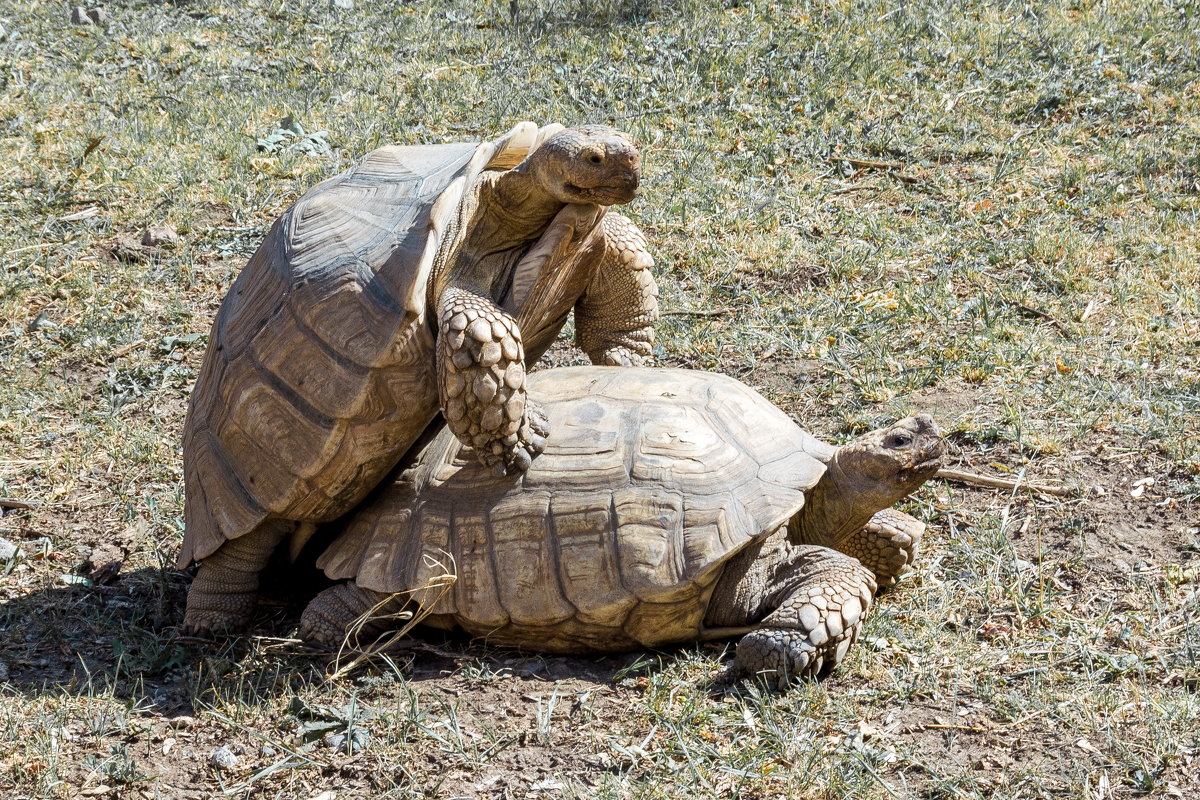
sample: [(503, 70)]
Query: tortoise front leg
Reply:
[(813, 627), (225, 590), (886, 545), (339, 610), (804, 603), (615, 317), (481, 369)]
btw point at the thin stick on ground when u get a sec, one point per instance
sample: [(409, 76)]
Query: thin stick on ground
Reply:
[(12, 502), (992, 482)]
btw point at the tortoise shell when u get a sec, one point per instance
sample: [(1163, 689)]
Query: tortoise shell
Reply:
[(319, 373), (653, 479)]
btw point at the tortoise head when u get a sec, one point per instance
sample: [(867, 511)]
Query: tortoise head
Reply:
[(588, 164), (889, 463)]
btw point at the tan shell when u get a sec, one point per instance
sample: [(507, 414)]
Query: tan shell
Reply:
[(589, 544), (319, 373)]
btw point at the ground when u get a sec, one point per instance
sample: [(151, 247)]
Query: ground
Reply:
[(982, 210)]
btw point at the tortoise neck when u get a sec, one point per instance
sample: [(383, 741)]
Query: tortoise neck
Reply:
[(835, 509), (515, 197), (509, 212)]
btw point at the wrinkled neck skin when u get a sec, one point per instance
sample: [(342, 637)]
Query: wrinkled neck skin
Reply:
[(837, 508), (509, 212)]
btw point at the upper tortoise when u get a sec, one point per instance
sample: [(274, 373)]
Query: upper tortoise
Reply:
[(669, 506), (423, 278)]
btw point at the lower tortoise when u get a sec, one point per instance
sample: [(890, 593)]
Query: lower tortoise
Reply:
[(670, 506)]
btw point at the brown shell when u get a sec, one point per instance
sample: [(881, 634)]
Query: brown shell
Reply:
[(651, 480), (319, 373)]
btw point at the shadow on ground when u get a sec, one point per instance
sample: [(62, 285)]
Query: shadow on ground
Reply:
[(123, 640)]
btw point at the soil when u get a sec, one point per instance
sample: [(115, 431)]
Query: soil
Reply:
[(61, 639)]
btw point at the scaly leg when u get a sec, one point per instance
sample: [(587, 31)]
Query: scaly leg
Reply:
[(614, 319), (481, 366), (225, 589), (804, 603), (335, 612), (886, 545)]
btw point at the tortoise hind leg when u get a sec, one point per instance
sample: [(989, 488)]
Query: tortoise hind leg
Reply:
[(805, 603), (333, 613), (224, 592), (481, 372)]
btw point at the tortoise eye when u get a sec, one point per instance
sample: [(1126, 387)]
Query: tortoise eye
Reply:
[(594, 157), (899, 439)]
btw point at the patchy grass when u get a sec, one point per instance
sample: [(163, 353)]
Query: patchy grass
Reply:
[(986, 210)]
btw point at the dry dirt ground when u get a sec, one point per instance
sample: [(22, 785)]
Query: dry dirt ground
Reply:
[(452, 718)]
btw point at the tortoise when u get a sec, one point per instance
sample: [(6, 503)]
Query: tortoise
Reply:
[(424, 278), (669, 506)]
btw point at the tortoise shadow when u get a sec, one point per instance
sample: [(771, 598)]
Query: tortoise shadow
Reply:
[(122, 641)]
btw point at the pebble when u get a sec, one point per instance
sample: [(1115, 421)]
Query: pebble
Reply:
[(79, 16), (223, 758), (9, 550), (342, 5), (97, 15), (157, 235)]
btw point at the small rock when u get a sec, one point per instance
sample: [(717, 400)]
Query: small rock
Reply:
[(266, 751), (104, 563), (79, 16), (335, 741), (97, 15), (343, 5), (157, 235), (9, 550), (223, 758), (529, 668), (3, 671)]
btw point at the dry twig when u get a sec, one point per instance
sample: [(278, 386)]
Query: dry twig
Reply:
[(991, 482)]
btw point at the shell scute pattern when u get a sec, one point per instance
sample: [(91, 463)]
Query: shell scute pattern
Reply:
[(358, 325), (434, 558), (474, 588), (521, 537), (303, 363), (256, 296), (238, 510), (589, 453), (713, 526), (277, 420), (274, 486), (589, 561), (651, 558), (678, 446)]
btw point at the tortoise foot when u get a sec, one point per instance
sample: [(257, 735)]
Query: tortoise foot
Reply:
[(346, 613), (784, 656), (621, 357), (213, 611), (813, 628), (506, 456)]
